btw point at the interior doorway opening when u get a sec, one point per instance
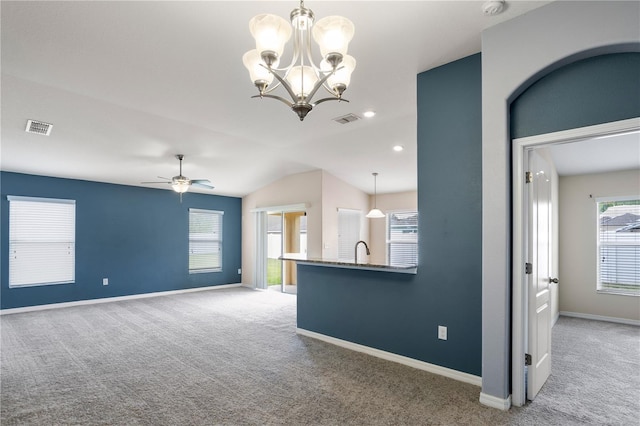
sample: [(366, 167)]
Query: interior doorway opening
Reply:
[(521, 308), (286, 235)]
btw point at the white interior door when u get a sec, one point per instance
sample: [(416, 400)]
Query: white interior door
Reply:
[(539, 291)]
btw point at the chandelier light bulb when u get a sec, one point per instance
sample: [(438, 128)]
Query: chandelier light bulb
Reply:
[(302, 80), (271, 32), (341, 78), (333, 35), (258, 72)]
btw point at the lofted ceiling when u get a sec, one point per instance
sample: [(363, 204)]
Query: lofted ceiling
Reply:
[(128, 84)]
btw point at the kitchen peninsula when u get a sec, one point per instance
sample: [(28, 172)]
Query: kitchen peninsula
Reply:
[(354, 305), (301, 260)]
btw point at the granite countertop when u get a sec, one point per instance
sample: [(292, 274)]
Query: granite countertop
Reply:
[(410, 269)]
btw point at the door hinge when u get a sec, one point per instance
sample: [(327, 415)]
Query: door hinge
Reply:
[(528, 177), (528, 268), (527, 359)]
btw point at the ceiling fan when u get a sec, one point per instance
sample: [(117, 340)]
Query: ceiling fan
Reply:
[(181, 184)]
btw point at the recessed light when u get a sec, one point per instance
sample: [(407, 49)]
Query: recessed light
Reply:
[(398, 148), (369, 114)]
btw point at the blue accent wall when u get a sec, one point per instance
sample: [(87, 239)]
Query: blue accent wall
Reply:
[(591, 91), (136, 237), (400, 313)]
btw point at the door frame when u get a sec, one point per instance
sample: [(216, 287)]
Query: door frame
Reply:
[(260, 250), (520, 149)]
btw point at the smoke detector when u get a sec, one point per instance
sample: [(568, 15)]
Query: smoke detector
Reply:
[(493, 7), (38, 127), (349, 118)]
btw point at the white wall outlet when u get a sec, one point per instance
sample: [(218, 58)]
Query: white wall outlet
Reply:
[(239, 271), (442, 332), (105, 281)]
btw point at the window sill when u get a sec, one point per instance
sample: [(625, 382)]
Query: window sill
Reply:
[(619, 292), (204, 271), (39, 284)]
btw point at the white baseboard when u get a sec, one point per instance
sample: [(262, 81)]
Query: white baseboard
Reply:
[(495, 402), (111, 299), (421, 365), (555, 319), (600, 318)]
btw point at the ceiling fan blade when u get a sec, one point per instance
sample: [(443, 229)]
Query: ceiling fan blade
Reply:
[(202, 183), (162, 177), (155, 182)]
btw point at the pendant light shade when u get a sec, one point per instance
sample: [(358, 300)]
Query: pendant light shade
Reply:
[(375, 212)]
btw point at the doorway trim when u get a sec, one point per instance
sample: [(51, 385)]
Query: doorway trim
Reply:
[(519, 229), (260, 239)]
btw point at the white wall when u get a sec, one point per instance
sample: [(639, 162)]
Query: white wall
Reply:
[(378, 227), (295, 189), (514, 54), (578, 239), (339, 194), (324, 194)]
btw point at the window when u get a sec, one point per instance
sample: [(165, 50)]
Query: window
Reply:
[(619, 245), (42, 234), (348, 233), (402, 238), (205, 241)]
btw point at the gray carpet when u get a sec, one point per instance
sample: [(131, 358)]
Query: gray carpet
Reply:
[(232, 357)]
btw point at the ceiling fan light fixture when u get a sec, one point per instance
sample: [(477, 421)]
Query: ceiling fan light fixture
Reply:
[(180, 186)]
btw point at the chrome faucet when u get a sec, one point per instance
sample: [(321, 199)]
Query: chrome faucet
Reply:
[(356, 249)]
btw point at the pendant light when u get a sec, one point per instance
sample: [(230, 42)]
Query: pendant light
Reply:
[(375, 212)]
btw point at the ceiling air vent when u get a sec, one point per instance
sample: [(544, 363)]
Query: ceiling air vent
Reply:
[(38, 127), (349, 118)]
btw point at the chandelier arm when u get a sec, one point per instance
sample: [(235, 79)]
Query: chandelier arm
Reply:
[(330, 73), (283, 100), (285, 85), (318, 85), (329, 99)]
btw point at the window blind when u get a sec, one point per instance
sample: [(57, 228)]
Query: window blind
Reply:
[(205, 240), (41, 241), (402, 238), (619, 246), (348, 233)]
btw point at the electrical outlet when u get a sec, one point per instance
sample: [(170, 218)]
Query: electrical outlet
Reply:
[(239, 271), (105, 281), (442, 332)]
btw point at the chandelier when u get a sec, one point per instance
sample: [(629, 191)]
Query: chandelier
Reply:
[(302, 78)]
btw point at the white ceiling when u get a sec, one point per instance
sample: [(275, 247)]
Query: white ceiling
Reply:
[(127, 85), (599, 155)]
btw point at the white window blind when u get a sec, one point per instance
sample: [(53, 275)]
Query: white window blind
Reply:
[(348, 233), (42, 235), (402, 238), (619, 246), (205, 240)]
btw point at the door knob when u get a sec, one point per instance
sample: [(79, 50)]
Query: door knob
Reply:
[(553, 280)]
